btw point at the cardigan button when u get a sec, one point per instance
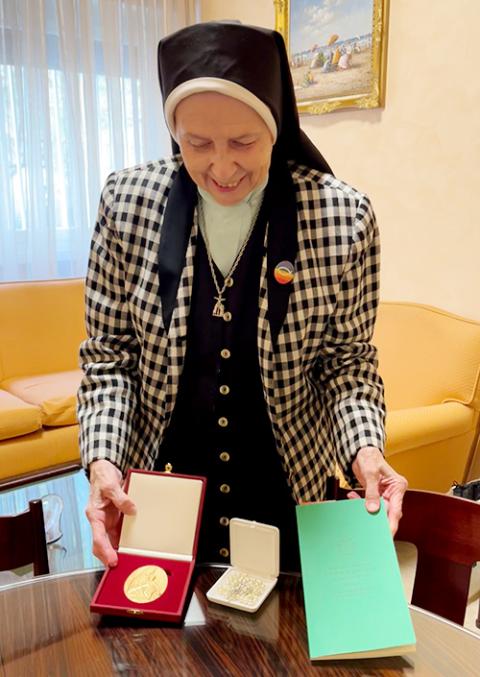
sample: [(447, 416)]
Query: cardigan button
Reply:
[(224, 456), (224, 390), (225, 353), (225, 488), (223, 422), (223, 552), (224, 521), (229, 282), (227, 316)]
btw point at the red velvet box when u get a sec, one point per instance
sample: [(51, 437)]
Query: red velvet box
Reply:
[(164, 532)]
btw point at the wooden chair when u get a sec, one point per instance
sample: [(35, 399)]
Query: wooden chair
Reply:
[(22, 540), (446, 532)]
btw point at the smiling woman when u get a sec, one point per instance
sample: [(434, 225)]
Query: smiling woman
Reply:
[(231, 297), (225, 145)]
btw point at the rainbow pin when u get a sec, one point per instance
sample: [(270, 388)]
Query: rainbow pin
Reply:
[(284, 272)]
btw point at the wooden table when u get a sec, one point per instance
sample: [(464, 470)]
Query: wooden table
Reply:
[(46, 629)]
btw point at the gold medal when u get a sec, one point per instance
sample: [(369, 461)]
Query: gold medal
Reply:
[(145, 584)]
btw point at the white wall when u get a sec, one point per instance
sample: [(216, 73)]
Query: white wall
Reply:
[(418, 158)]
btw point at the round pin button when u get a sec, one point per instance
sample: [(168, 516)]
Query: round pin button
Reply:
[(284, 272), (224, 390), (225, 353), (223, 422), (224, 456), (225, 488), (224, 521), (224, 552)]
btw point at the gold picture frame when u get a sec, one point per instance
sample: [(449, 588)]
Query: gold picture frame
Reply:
[(335, 71)]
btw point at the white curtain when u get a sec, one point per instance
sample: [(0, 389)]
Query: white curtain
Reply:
[(79, 98)]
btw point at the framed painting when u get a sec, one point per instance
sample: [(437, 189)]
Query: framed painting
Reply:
[(337, 51)]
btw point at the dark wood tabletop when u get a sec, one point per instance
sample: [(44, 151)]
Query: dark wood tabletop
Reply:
[(46, 628)]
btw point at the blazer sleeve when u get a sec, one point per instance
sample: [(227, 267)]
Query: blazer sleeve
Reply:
[(348, 372), (107, 397)]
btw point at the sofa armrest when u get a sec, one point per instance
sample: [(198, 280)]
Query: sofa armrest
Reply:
[(419, 426)]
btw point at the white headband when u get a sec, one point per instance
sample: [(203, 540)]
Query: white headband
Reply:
[(220, 86)]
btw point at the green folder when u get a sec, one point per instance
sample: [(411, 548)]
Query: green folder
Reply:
[(355, 603)]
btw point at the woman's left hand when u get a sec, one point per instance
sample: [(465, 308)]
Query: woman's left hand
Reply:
[(378, 478)]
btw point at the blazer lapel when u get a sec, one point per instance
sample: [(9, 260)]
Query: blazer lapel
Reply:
[(282, 244), (174, 241), (176, 269)]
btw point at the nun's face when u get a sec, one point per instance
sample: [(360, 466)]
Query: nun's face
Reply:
[(225, 145)]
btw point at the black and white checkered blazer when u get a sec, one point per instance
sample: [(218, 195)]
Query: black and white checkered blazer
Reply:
[(318, 368)]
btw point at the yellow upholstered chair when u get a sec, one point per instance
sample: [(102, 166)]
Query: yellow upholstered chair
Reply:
[(430, 362)]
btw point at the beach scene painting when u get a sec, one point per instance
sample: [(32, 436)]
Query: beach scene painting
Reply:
[(336, 51)]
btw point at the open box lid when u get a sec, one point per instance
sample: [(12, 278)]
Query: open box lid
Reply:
[(167, 519), (255, 547)]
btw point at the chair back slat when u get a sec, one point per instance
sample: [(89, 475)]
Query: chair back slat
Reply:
[(22, 540), (446, 532), (441, 586)]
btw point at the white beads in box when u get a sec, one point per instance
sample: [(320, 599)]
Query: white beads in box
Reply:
[(255, 565)]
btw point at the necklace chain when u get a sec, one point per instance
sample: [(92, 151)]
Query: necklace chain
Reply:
[(219, 307)]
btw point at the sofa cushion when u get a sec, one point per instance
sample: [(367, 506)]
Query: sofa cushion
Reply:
[(55, 394), (41, 449), (17, 417), (418, 426)]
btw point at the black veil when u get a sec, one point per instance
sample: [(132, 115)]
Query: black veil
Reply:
[(253, 57)]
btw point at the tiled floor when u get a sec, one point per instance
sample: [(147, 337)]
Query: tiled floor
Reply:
[(407, 557)]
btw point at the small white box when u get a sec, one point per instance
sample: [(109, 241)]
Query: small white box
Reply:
[(255, 565)]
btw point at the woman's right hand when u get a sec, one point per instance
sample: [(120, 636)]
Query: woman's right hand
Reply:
[(106, 503)]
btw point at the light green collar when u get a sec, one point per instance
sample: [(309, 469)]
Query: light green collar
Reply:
[(227, 227)]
